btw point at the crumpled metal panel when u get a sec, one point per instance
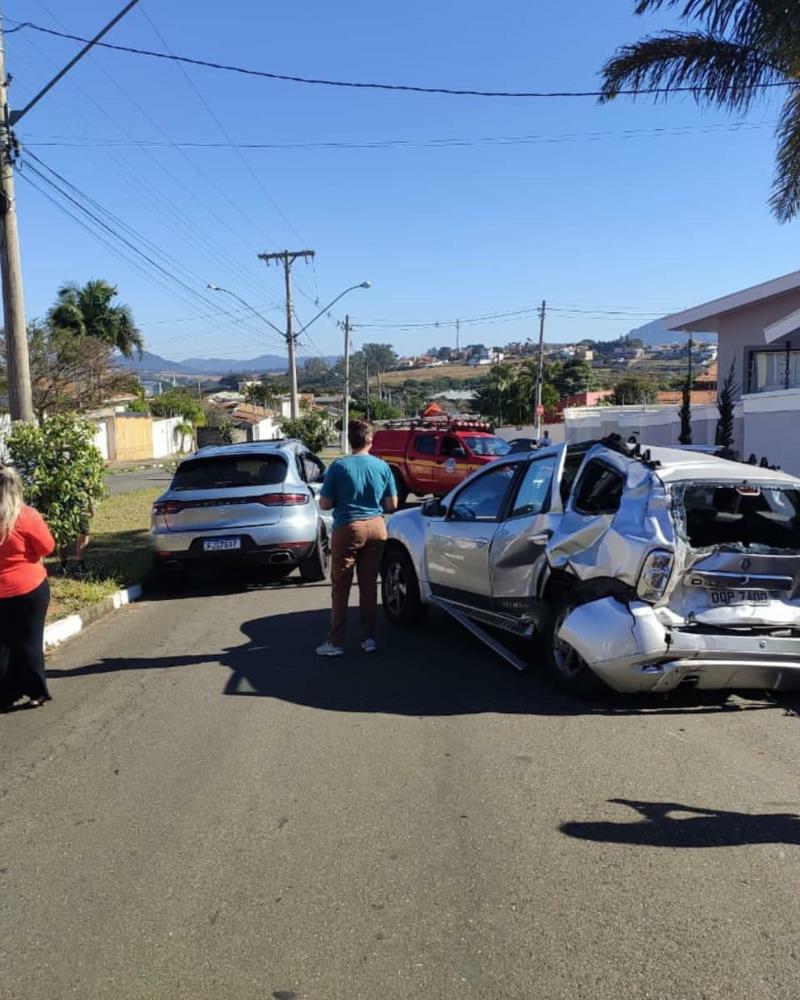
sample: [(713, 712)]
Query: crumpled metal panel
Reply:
[(615, 546), (409, 527)]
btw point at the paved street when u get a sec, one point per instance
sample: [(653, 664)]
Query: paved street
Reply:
[(207, 810), (141, 479)]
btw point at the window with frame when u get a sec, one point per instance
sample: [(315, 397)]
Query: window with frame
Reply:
[(484, 498), (425, 444), (533, 496), (774, 370), (312, 468), (599, 490)]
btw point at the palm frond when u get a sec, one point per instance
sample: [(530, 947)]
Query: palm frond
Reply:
[(717, 15), (712, 68), (785, 199)]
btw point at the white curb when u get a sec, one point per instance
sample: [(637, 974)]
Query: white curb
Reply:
[(66, 628)]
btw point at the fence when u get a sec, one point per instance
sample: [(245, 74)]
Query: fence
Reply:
[(655, 425)]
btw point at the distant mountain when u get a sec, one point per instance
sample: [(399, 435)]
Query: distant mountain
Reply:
[(151, 364), (655, 333)]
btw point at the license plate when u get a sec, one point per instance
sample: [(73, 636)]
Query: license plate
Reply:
[(221, 544), (727, 598)]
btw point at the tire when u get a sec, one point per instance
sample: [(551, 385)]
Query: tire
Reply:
[(316, 567), (569, 670), (400, 486), (402, 603)]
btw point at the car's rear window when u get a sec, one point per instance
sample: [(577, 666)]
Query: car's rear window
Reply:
[(227, 473), (742, 515)]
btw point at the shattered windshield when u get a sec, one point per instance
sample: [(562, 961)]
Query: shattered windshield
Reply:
[(743, 515)]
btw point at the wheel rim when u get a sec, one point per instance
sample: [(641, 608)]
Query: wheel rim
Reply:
[(567, 661), (325, 550), (395, 588)]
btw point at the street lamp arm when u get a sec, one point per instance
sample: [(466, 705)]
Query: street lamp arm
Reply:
[(254, 311), (352, 288)]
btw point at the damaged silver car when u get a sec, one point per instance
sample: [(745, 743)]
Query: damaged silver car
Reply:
[(640, 571)]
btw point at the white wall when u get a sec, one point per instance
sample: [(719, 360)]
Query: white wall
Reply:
[(101, 438), (770, 422), (266, 430), (656, 425), (165, 441), (529, 431)]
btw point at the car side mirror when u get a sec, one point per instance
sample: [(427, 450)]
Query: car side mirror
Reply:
[(433, 508)]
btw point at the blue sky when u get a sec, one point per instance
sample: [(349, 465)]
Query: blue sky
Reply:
[(635, 225)]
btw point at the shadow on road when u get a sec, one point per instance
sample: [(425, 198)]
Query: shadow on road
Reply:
[(659, 826), (431, 671)]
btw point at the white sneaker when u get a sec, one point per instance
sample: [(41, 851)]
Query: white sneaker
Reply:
[(369, 646), (328, 649)]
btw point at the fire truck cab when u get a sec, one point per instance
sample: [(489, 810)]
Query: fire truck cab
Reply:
[(433, 454)]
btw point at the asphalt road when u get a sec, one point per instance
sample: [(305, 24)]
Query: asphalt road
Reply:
[(142, 479), (206, 810)]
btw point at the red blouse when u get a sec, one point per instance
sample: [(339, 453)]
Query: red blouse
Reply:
[(21, 569)]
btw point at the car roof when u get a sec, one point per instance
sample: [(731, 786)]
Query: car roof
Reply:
[(246, 448), (678, 465)]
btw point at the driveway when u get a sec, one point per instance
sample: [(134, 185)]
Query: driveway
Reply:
[(141, 479), (207, 810)]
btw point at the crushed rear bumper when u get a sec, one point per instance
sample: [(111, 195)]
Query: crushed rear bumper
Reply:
[(632, 650)]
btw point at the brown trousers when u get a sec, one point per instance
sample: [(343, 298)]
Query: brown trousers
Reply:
[(358, 544)]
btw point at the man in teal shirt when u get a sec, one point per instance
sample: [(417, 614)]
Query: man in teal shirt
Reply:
[(358, 489)]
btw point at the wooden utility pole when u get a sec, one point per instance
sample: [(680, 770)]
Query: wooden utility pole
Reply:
[(16, 334), (20, 399), (366, 388), (346, 400), (287, 258), (540, 372)]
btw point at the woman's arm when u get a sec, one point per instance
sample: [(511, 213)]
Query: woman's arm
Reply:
[(38, 538)]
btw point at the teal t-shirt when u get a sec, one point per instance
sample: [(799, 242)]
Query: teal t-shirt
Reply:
[(357, 485)]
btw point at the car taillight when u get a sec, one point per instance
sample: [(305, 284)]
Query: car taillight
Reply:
[(655, 575), (283, 499), (167, 507)]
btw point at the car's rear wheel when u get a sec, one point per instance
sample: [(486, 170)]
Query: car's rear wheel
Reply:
[(567, 668), (400, 486), (168, 576), (316, 567), (402, 603)]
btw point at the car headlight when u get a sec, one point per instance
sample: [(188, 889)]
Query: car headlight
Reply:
[(655, 575)]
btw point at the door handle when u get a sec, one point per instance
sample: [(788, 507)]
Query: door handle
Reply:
[(540, 537)]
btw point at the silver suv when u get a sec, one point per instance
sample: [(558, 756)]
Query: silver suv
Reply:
[(252, 503), (641, 571)]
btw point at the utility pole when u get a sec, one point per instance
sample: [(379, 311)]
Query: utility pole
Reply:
[(366, 388), (458, 335), (15, 327), (346, 402), (287, 258), (20, 398), (540, 372)]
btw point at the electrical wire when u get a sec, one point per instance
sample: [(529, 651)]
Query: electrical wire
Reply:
[(509, 140), (359, 85)]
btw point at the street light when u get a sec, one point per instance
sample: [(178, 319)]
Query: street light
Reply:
[(346, 397), (255, 312)]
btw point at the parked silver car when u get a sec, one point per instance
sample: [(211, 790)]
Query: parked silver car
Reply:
[(642, 571), (254, 502)]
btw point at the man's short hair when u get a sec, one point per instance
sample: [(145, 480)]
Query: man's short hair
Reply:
[(359, 433)]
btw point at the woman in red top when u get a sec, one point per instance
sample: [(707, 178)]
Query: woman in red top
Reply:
[(24, 595)]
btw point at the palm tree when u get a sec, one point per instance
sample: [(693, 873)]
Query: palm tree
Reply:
[(185, 429), (739, 51), (87, 311)]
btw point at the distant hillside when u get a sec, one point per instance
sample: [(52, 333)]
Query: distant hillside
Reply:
[(150, 364), (655, 333)]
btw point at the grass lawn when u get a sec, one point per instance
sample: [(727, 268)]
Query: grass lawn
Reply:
[(118, 554)]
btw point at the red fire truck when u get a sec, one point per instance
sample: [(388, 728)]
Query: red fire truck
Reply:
[(433, 454)]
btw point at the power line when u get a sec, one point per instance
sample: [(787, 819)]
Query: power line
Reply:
[(359, 85), (442, 143)]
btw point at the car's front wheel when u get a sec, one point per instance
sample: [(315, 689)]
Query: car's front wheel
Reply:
[(566, 666), (402, 602), (316, 567)]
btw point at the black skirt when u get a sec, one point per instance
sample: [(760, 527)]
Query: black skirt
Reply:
[(22, 646)]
